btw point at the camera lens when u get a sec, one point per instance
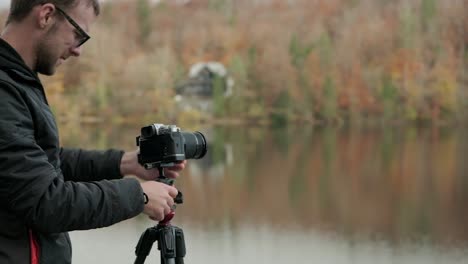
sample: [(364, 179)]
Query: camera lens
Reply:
[(195, 145)]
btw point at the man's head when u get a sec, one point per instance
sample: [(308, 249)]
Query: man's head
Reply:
[(57, 29), (19, 9)]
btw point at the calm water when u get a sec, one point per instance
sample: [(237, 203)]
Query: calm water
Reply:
[(303, 195)]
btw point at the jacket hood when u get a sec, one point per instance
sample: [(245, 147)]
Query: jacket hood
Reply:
[(11, 62)]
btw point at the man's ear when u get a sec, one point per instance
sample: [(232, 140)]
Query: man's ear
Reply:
[(45, 15)]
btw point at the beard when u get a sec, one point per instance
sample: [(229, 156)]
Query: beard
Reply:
[(46, 57)]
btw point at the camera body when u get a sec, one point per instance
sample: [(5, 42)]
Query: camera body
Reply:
[(163, 145)]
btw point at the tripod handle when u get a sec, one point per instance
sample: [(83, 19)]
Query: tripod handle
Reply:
[(179, 198)]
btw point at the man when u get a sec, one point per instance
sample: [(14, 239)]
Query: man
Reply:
[(46, 190)]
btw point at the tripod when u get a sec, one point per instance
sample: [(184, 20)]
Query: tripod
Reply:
[(170, 238)]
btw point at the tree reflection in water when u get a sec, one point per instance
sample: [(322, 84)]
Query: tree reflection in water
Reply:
[(353, 189)]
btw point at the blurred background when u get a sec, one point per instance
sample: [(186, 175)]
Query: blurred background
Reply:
[(336, 129)]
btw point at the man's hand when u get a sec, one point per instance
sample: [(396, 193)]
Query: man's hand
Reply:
[(129, 166), (160, 199)]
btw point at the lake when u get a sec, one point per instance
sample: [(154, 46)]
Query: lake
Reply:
[(306, 195)]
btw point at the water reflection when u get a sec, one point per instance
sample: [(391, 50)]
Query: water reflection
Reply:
[(321, 195)]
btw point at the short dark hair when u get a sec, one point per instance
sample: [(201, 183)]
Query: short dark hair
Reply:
[(19, 9)]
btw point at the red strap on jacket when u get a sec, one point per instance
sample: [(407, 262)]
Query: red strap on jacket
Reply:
[(34, 248)]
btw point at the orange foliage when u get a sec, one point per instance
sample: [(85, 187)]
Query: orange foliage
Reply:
[(404, 64), (355, 45), (355, 92)]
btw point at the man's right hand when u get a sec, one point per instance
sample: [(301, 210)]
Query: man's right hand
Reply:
[(160, 199)]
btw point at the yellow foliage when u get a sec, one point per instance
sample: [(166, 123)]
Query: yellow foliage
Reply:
[(444, 87), (55, 85), (188, 118), (118, 75)]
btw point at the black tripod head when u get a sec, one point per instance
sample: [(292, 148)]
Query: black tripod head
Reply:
[(171, 244)]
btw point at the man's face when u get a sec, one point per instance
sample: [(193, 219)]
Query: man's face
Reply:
[(62, 38)]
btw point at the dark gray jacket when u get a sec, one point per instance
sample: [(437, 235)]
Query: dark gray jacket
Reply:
[(44, 188)]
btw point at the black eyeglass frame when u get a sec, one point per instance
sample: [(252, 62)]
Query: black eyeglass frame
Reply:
[(84, 36)]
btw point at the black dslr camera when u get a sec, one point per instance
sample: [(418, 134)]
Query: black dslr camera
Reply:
[(163, 145)]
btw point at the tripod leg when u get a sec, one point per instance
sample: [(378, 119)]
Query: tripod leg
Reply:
[(172, 245), (145, 244), (180, 246), (167, 245)]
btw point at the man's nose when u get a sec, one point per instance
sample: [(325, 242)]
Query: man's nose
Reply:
[(76, 51)]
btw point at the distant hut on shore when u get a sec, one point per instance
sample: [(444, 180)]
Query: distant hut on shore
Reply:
[(205, 81)]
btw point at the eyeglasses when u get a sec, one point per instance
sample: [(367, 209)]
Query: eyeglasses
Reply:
[(81, 35)]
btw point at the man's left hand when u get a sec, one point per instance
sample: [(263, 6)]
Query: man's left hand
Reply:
[(129, 166)]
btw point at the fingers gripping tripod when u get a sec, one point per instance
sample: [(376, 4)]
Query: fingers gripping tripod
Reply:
[(170, 238)]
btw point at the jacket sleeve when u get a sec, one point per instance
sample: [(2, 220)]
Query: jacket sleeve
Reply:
[(33, 190), (87, 165)]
